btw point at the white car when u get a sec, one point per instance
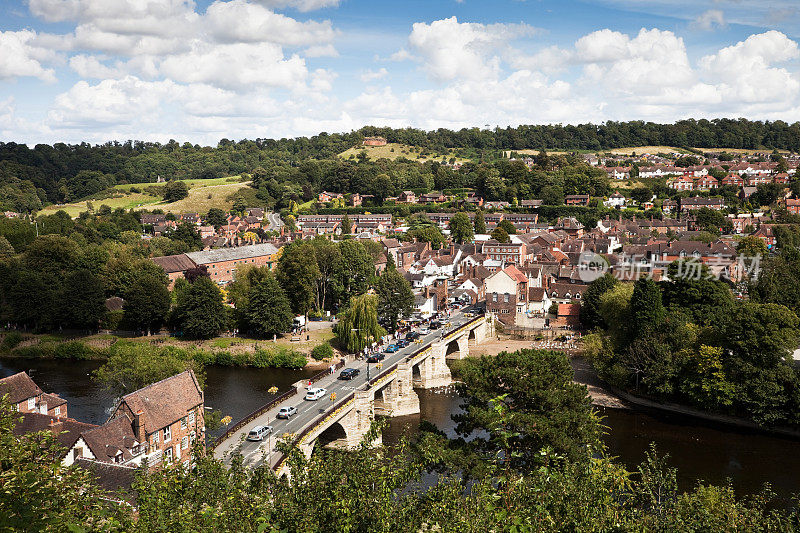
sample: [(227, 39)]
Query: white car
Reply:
[(259, 432), (315, 394)]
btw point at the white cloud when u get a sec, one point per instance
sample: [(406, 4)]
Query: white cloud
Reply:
[(236, 65), (87, 66), (372, 75), (300, 5), (451, 49), (401, 55), (20, 57), (239, 21), (710, 19)]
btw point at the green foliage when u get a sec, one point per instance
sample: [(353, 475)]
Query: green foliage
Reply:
[(297, 274), (268, 312), (147, 300), (500, 235), (11, 340), (175, 190), (545, 407), (461, 228), (395, 299), (322, 351), (199, 311), (480, 222), (132, 366), (590, 309), (358, 325)]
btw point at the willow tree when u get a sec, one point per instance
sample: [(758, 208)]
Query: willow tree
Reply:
[(359, 326)]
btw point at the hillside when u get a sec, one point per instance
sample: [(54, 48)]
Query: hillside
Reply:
[(395, 150), (203, 195)]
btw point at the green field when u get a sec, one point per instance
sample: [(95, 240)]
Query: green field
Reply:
[(203, 195)]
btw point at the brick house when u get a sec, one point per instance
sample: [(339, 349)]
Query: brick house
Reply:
[(174, 266), (407, 197), (222, 263), (165, 419), (510, 252), (374, 141), (576, 199), (793, 205), (434, 197), (697, 202), (707, 182), (27, 397), (506, 294)]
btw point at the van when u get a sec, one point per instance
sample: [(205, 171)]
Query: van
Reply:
[(259, 432)]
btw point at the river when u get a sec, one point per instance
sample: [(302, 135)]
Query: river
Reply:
[(701, 451)]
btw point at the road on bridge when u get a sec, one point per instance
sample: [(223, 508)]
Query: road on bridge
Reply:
[(254, 453)]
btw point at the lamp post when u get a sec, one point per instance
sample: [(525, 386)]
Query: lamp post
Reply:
[(272, 390)]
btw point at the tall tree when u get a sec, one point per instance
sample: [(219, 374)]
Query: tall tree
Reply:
[(358, 327), (82, 300), (200, 312), (132, 366), (590, 308), (395, 298), (147, 301), (647, 309), (328, 289), (355, 269), (545, 407), (175, 190), (480, 223), (500, 235), (268, 311), (347, 225), (461, 228), (298, 274)]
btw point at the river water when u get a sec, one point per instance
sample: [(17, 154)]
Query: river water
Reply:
[(701, 451)]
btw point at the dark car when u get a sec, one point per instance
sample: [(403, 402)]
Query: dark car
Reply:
[(402, 343), (374, 358), (412, 336), (349, 373)]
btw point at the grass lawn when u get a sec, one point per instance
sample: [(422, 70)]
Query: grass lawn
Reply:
[(197, 201), (393, 151), (740, 150)]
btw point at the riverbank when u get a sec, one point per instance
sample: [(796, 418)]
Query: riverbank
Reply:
[(223, 351), (606, 395)]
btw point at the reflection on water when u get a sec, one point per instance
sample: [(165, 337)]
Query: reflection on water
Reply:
[(699, 449)]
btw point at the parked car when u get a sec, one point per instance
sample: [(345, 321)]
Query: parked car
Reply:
[(402, 343), (391, 348), (374, 358), (286, 412), (315, 394), (349, 373), (259, 432)]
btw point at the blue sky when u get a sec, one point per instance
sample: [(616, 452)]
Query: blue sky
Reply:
[(98, 70)]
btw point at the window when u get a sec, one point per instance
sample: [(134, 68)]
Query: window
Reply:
[(168, 453), (494, 297), (184, 442), (192, 436), (31, 403), (183, 423), (167, 434), (57, 411), (77, 453), (505, 297), (154, 438)]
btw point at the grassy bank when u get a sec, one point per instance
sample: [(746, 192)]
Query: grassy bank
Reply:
[(14, 344)]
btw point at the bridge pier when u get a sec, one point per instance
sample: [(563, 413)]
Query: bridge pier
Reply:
[(399, 398), (433, 370), (463, 348)]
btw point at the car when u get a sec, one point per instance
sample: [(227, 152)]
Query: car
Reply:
[(424, 330), (286, 412), (315, 394), (259, 432), (349, 373), (411, 336), (374, 358), (391, 348), (436, 324), (402, 343)]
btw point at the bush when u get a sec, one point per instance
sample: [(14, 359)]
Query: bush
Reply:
[(11, 340), (75, 350), (322, 351), (112, 320)]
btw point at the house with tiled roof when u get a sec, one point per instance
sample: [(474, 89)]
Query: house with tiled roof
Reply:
[(26, 396), (166, 418)]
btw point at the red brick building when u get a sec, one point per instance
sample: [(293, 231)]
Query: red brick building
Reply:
[(374, 141), (27, 397), (222, 263)]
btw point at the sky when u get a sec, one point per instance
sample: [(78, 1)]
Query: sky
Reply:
[(202, 70)]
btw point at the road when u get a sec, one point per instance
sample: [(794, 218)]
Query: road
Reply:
[(255, 453), (275, 221)]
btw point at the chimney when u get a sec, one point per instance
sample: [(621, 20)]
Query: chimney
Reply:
[(138, 428)]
